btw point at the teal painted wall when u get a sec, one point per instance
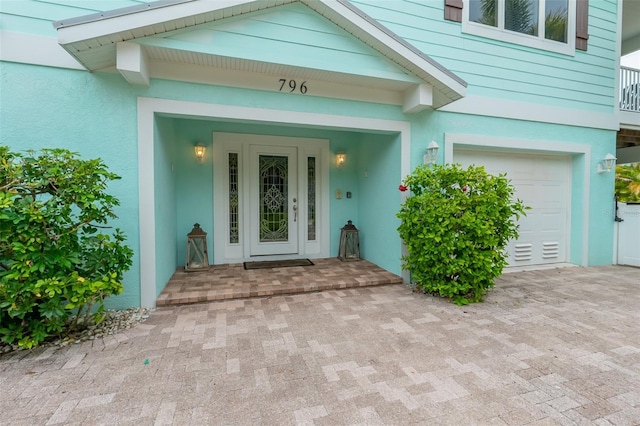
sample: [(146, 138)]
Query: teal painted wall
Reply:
[(194, 180), (165, 200), (92, 114), (379, 200)]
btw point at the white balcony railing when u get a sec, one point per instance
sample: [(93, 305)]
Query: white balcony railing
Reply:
[(629, 89)]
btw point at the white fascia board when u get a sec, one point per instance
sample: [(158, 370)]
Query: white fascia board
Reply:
[(418, 98), (36, 50), (385, 39), (132, 63), (629, 120), (95, 29), (476, 105)]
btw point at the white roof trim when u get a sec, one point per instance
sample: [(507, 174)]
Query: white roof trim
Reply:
[(103, 29)]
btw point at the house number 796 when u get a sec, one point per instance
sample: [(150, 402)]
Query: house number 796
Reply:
[(292, 85)]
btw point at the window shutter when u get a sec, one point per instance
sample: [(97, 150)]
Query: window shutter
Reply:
[(453, 10), (582, 24)]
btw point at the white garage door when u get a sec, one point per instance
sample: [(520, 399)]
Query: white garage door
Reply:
[(542, 182)]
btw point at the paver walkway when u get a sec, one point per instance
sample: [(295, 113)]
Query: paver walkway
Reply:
[(547, 347)]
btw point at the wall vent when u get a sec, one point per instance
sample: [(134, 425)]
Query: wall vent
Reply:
[(523, 252), (550, 250)]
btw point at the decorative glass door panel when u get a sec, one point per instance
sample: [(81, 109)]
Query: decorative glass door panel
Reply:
[(274, 200), (274, 196)]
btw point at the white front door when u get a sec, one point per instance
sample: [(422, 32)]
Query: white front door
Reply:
[(274, 200), (270, 197)]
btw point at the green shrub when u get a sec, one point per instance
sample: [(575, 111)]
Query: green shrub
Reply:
[(628, 183), (455, 226), (55, 264)]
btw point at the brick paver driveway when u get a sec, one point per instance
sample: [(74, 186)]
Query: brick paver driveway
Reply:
[(547, 347)]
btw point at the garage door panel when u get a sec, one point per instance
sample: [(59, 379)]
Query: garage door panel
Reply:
[(551, 196), (527, 224), (542, 183), (526, 191), (551, 222)]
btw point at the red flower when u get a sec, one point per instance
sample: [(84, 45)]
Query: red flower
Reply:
[(465, 188), (403, 188)]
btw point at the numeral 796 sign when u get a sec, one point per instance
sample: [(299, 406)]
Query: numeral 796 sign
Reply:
[(292, 85)]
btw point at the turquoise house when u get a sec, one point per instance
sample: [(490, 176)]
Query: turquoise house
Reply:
[(311, 112)]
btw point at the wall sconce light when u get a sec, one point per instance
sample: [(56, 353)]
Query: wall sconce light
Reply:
[(607, 164), (200, 150), (340, 158), (432, 153)]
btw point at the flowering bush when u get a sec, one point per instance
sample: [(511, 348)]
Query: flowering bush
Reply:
[(455, 226)]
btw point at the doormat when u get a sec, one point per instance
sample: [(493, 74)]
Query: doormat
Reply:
[(277, 264)]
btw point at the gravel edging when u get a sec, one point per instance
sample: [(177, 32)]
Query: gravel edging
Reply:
[(114, 322)]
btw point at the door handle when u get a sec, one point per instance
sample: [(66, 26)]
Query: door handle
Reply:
[(295, 210)]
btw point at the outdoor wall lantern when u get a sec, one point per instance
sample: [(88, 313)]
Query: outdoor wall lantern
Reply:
[(432, 153), (340, 158), (607, 164), (200, 150), (349, 243), (197, 257)]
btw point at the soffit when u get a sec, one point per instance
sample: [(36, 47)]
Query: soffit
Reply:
[(159, 55)]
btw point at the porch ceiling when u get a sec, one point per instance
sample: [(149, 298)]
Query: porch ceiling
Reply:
[(93, 41)]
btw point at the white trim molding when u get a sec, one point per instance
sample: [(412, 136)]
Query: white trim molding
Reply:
[(491, 107), (514, 145), (132, 62), (149, 107), (36, 50)]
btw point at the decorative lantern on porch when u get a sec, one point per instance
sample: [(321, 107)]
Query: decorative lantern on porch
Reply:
[(197, 256), (349, 243)]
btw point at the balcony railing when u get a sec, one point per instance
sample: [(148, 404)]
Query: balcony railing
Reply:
[(629, 89)]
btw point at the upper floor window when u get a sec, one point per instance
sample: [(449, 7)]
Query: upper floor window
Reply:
[(543, 24)]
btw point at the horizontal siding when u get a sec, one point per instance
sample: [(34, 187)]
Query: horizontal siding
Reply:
[(28, 25), (36, 17), (509, 71)]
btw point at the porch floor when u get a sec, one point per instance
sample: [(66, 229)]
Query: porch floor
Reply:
[(232, 281)]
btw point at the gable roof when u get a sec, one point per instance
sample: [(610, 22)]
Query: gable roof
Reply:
[(92, 39)]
